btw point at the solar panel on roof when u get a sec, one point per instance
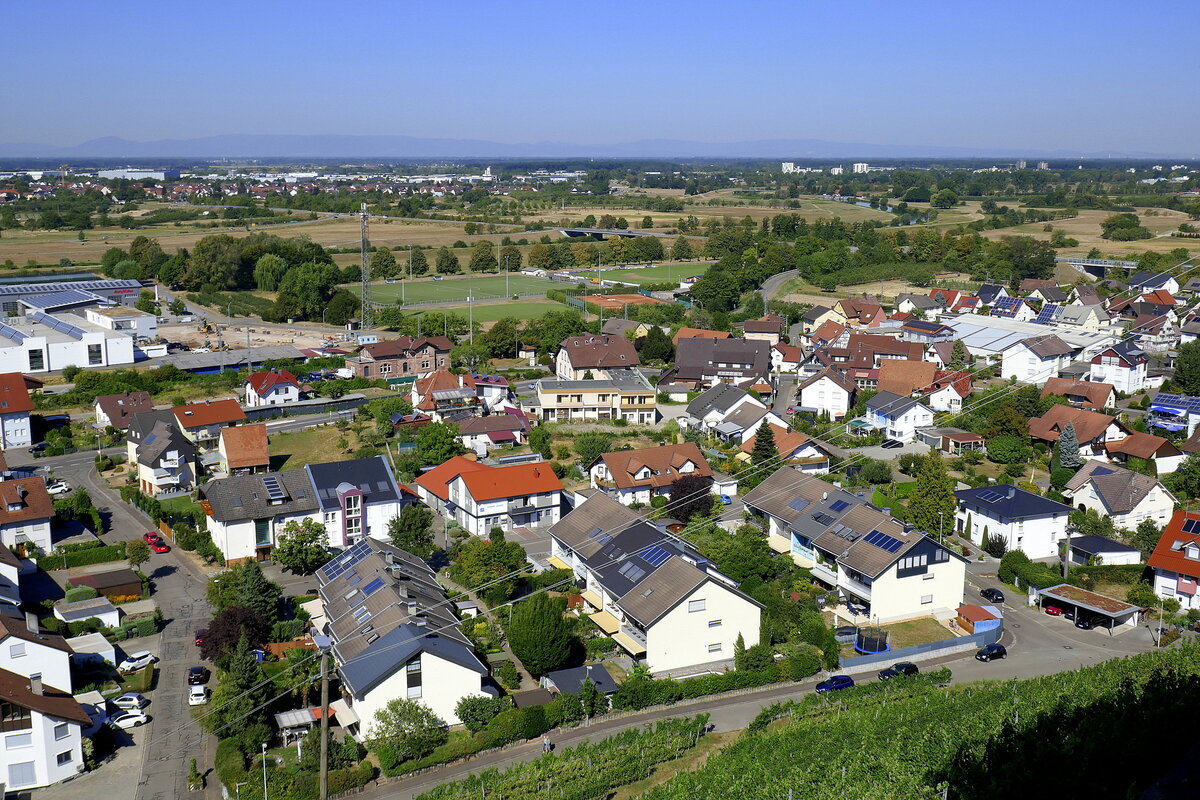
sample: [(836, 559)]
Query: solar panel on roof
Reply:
[(632, 571), (655, 556), (349, 558), (884, 542), (9, 332), (373, 586), (824, 519), (274, 489), (57, 324), (840, 505), (990, 497), (1046, 315), (799, 504), (1191, 526)]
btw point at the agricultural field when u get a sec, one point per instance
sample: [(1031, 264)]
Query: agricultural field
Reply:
[(1086, 228)]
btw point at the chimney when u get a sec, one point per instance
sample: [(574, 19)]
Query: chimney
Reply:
[(1012, 492), (35, 683), (388, 557), (31, 622)]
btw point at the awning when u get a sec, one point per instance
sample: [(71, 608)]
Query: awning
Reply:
[(1186, 585), (728, 428), (634, 647), (606, 622), (343, 713), (557, 563), (593, 599), (502, 436)]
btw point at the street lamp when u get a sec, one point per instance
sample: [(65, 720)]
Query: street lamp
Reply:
[(941, 535), (264, 760)]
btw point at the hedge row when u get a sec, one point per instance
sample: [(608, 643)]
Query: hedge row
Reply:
[(1125, 574), (82, 558), (1016, 566)]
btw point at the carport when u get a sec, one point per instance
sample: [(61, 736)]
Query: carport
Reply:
[(1111, 613)]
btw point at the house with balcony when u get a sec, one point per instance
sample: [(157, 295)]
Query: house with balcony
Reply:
[(894, 416), (403, 358), (482, 434), (873, 561), (43, 724), (828, 391), (703, 363), (1127, 497), (273, 388), (1176, 560), (245, 514), (796, 449), (446, 397), (1036, 359), (1082, 394), (1174, 412), (202, 422), (167, 461), (25, 514), (1025, 521), (480, 497), (15, 406), (594, 357), (395, 634), (666, 605), (638, 476), (493, 391), (1124, 365), (1092, 429), (626, 395), (116, 410)]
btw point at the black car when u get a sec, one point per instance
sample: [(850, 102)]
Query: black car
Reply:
[(38, 448), (891, 444), (897, 669), (197, 676), (1085, 622), (994, 595), (991, 651)]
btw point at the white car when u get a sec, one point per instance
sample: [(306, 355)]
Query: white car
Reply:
[(129, 719), (130, 701), (58, 487), (197, 695), (139, 660)]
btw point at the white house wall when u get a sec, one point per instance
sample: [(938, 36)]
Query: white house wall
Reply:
[(443, 684), (681, 638)]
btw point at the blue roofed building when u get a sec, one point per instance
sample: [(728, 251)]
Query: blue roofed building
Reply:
[(395, 635), (1025, 521)]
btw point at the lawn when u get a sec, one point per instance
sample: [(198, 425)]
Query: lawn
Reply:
[(916, 631), (662, 273), (181, 505), (521, 309), (313, 446), (458, 289)]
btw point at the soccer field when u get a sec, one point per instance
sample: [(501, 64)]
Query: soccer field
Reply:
[(657, 274), (452, 290)]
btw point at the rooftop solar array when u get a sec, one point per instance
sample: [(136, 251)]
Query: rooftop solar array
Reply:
[(87, 286), (600, 535), (990, 497), (632, 571), (1046, 315), (655, 556), (9, 332), (799, 504), (66, 297), (373, 587), (884, 542), (1176, 401), (1191, 526), (57, 324), (840, 505), (346, 560)]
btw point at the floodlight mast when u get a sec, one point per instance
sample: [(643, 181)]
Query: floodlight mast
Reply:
[(365, 316)]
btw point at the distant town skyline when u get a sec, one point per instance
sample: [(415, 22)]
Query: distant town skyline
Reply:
[(1062, 77)]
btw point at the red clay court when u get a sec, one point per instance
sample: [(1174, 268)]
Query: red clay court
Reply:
[(615, 302)]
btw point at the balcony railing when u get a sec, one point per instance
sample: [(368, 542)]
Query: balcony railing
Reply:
[(824, 573), (635, 634)]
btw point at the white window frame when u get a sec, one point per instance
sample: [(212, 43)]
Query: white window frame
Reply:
[(926, 599), (16, 650), (11, 741), (695, 605), (61, 731), (714, 623), (715, 647)]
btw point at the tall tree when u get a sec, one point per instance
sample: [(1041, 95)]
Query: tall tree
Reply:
[(483, 257), (257, 593), (383, 264), (1068, 449), (657, 346), (764, 459), (689, 496), (1187, 368), (412, 531), (138, 553), (682, 249), (302, 546), (539, 633), (447, 262), (418, 263), (932, 506), (958, 355), (438, 442), (510, 257)]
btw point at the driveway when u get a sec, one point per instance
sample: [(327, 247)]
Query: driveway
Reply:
[(885, 454)]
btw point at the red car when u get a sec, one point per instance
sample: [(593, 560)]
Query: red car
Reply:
[(1053, 611), (151, 536), (159, 546)]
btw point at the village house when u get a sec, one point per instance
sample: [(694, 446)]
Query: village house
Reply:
[(1162, 453), (592, 357), (828, 391), (702, 363), (816, 316), (1127, 497), (167, 461), (274, 388), (404, 357), (627, 395), (1036, 359), (894, 416), (481, 434), (786, 358), (698, 333), (15, 405), (664, 604), (638, 476), (768, 328), (202, 422), (874, 562), (25, 514), (1025, 521), (446, 396), (116, 410), (480, 497), (243, 450), (859, 313), (1124, 365), (1176, 560), (1092, 430), (796, 449), (1082, 394)]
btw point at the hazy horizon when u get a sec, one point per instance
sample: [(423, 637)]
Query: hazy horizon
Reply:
[(1062, 78)]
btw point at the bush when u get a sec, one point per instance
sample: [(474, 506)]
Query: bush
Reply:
[(1060, 476), (286, 630), (80, 593), (558, 578), (82, 558), (508, 675), (1141, 594), (230, 761), (599, 646), (1126, 574), (802, 664)]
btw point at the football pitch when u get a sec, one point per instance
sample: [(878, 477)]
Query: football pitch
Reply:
[(458, 289), (663, 273)]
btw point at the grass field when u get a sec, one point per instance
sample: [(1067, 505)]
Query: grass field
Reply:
[(449, 290), (657, 274), (490, 312)]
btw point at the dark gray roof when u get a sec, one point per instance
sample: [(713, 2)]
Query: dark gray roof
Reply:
[(1048, 346), (719, 398), (1010, 502), (745, 358), (891, 404), (141, 424), (988, 293), (1099, 544), (1130, 351), (373, 476), (815, 313), (600, 514), (162, 439), (246, 497), (920, 301), (571, 680), (1149, 280)]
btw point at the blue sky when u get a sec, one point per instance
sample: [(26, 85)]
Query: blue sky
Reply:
[(1086, 76)]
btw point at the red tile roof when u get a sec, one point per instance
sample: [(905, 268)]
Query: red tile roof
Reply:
[(517, 480), (1169, 553), (245, 446), (600, 352), (14, 397), (904, 377), (28, 499), (437, 480), (698, 333), (262, 382), (664, 463), (210, 412), (786, 441), (1088, 424), (52, 702), (1143, 445), (1095, 395)]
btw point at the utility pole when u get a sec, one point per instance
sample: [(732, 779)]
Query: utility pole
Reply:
[(365, 321), (323, 642)]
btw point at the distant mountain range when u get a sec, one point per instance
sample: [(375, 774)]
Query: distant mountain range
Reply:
[(410, 147)]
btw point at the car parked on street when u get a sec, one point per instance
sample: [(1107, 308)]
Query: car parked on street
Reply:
[(725, 499), (994, 595), (58, 487), (834, 683), (891, 444), (898, 669), (200, 634), (150, 536), (139, 660), (38, 449), (197, 676), (197, 696), (990, 652), (159, 546), (129, 719), (130, 701)]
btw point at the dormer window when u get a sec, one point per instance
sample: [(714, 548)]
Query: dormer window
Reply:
[(1192, 552)]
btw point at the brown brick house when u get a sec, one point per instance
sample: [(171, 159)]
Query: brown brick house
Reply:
[(400, 358)]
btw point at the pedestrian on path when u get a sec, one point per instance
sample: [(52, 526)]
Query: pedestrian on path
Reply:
[(547, 745)]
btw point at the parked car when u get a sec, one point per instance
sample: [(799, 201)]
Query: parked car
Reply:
[(994, 595), (725, 500), (38, 448), (129, 719), (897, 669), (1053, 611), (139, 660), (991, 651), (130, 701), (891, 444), (835, 682), (197, 676), (200, 634), (197, 696), (58, 487), (1085, 622), (150, 536), (159, 546)]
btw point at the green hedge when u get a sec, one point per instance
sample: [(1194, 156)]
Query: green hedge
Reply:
[(1125, 574), (82, 558)]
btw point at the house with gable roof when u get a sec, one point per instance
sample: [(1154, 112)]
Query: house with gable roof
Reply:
[(25, 513), (638, 476), (480, 497), (797, 449), (167, 461), (1124, 365), (1162, 452), (828, 391), (117, 410), (1127, 497), (1092, 429), (1082, 394), (598, 355), (1036, 359), (15, 405), (665, 604), (894, 416), (1176, 560), (244, 449), (272, 388), (403, 357), (446, 396), (202, 422), (395, 634), (1025, 521)]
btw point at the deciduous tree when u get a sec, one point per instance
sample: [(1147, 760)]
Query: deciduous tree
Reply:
[(689, 496), (302, 546), (932, 504), (539, 633), (408, 729), (412, 531)]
